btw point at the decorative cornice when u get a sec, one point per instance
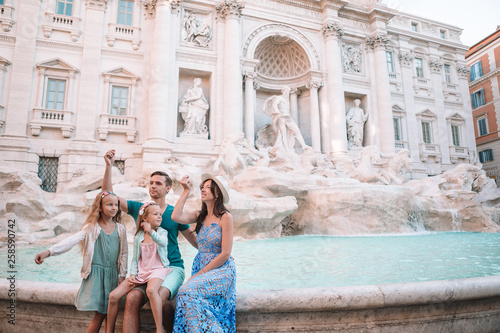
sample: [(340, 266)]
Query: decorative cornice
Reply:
[(379, 40), (96, 4), (332, 29), (123, 54), (463, 71), (59, 45), (229, 8)]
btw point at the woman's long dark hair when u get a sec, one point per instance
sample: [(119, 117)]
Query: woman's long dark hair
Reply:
[(219, 208)]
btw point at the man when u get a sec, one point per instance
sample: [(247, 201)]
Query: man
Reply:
[(159, 186)]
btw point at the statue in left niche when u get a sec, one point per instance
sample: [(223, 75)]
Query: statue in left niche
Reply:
[(195, 31), (193, 109)]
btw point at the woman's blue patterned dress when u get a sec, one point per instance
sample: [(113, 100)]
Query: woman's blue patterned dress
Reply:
[(207, 302)]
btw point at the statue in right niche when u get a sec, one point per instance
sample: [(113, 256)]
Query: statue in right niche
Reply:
[(355, 120)]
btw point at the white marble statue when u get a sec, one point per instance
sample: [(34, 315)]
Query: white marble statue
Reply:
[(364, 168), (193, 109), (230, 160), (398, 162), (355, 119), (287, 131), (196, 32)]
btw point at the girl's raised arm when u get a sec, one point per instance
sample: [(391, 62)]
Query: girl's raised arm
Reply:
[(178, 215)]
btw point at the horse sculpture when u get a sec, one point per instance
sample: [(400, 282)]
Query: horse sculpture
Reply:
[(363, 168)]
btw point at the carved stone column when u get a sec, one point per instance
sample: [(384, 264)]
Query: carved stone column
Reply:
[(463, 83), (88, 108), (294, 107), (160, 72), (250, 106), (435, 66), (335, 90), (383, 94), (313, 87), (230, 10)]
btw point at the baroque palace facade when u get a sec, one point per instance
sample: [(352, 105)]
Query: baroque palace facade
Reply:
[(83, 76)]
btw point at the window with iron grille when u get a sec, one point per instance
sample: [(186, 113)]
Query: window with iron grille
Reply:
[(47, 172), (120, 165)]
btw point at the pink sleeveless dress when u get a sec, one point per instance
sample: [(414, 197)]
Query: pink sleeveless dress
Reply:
[(150, 265)]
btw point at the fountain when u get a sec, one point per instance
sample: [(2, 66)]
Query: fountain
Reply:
[(278, 199)]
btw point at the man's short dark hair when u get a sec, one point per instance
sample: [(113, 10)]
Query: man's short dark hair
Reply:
[(164, 174)]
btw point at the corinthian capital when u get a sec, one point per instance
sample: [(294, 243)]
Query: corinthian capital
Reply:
[(332, 29), (150, 5), (229, 8), (379, 40), (435, 65)]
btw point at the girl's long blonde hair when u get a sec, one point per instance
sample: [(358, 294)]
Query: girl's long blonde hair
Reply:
[(143, 214), (95, 212)]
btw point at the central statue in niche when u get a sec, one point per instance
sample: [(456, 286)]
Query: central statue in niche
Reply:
[(283, 126), (193, 109)]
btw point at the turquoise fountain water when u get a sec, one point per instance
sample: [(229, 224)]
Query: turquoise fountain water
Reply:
[(321, 261)]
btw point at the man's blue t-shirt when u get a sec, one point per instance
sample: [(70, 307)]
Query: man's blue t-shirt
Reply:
[(173, 228)]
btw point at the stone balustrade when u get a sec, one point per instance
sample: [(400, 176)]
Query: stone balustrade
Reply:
[(123, 32), (109, 123), (48, 118)]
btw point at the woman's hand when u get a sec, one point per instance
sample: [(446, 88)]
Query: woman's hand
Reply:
[(186, 182), (146, 226), (109, 157), (132, 280), (41, 256)]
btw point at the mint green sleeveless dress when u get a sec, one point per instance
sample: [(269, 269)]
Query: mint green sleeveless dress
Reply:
[(103, 278)]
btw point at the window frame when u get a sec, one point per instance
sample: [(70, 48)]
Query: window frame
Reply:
[(447, 72), (419, 67), (414, 27), (479, 120), (121, 87), (55, 102), (65, 5), (488, 153), (476, 71), (477, 98), (429, 131), (456, 135), (127, 16), (389, 57)]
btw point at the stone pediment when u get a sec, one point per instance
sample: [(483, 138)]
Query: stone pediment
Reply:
[(4, 61), (397, 108), (427, 113), (456, 117), (57, 64), (121, 72)]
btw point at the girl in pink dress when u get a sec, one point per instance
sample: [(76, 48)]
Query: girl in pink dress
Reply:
[(149, 264)]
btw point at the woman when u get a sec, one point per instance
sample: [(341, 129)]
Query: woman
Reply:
[(206, 302)]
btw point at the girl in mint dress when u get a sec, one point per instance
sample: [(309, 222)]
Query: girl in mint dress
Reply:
[(104, 245)]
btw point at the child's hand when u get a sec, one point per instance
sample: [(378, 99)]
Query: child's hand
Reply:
[(109, 157), (146, 226), (186, 182), (132, 280), (41, 256)]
